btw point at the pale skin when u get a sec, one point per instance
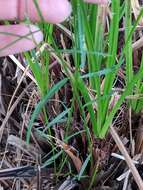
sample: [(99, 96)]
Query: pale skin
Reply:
[(53, 11)]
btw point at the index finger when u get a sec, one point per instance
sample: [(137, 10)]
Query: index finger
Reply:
[(53, 11)]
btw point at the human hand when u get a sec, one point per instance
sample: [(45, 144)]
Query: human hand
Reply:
[(19, 38), (22, 37)]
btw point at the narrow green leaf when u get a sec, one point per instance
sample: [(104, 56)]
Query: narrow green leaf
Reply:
[(42, 103), (84, 167)]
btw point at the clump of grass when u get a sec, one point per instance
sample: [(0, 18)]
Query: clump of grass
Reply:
[(94, 51), (105, 56), (91, 68), (136, 104)]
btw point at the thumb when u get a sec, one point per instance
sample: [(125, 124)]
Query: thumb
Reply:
[(53, 11), (18, 38)]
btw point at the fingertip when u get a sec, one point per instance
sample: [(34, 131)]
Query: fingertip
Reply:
[(36, 34), (53, 11), (19, 38), (59, 10)]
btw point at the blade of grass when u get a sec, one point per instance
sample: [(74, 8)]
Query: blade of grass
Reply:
[(119, 102), (84, 167), (58, 118), (128, 41), (112, 50), (42, 103)]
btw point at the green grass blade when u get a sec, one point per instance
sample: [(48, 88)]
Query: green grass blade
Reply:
[(113, 42), (42, 103), (58, 118), (84, 166), (119, 102)]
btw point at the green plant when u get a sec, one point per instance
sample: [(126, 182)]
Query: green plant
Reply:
[(96, 54), (89, 64), (92, 33), (137, 103)]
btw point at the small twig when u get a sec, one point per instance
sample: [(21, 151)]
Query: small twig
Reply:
[(13, 58), (18, 85), (8, 114), (128, 159), (122, 158), (131, 135), (25, 172)]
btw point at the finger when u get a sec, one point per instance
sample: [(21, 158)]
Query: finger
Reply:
[(53, 11), (18, 38), (97, 1)]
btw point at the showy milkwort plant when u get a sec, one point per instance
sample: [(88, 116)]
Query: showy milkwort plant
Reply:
[(96, 52)]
